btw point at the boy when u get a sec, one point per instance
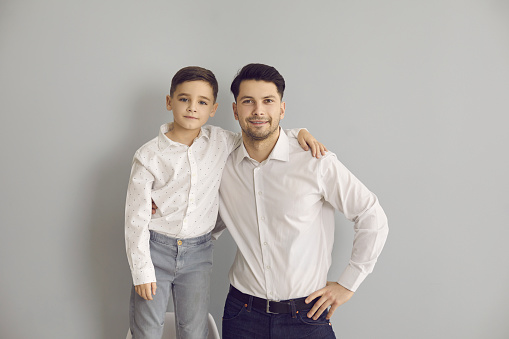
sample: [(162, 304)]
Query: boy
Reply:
[(180, 171)]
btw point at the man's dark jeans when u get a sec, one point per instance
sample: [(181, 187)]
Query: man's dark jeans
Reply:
[(241, 321)]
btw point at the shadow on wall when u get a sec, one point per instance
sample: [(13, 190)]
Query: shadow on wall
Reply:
[(111, 278)]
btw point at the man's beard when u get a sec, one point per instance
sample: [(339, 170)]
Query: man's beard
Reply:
[(261, 135)]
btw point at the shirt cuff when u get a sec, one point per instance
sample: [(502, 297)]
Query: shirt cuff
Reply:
[(351, 278), (144, 277)]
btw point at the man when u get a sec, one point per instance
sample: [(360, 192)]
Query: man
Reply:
[(278, 204)]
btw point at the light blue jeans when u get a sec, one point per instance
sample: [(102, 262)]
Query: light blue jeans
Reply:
[(183, 269)]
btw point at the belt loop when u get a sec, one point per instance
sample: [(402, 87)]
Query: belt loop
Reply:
[(250, 303), (294, 310)]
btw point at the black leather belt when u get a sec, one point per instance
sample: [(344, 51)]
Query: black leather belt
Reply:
[(269, 306)]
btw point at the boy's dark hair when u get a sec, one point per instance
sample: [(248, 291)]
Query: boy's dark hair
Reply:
[(194, 73), (258, 72)]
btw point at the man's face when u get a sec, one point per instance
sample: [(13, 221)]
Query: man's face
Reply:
[(258, 109), (192, 104)]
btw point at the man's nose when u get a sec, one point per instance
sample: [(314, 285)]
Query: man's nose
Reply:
[(258, 109)]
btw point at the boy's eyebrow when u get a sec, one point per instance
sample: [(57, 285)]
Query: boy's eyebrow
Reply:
[(200, 96)]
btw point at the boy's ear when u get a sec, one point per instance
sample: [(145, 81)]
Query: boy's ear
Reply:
[(214, 109), (168, 103), (234, 107)]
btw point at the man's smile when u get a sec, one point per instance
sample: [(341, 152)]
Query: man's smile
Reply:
[(258, 122)]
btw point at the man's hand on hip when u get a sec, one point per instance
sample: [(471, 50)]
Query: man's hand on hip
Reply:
[(333, 295)]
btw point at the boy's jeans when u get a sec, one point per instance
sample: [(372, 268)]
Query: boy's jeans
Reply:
[(182, 267)]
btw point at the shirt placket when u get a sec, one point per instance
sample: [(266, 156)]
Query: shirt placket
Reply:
[(191, 199), (263, 231)]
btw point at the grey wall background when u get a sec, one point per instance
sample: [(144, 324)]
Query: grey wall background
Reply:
[(411, 95)]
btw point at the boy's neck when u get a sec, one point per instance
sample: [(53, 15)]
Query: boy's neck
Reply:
[(182, 135)]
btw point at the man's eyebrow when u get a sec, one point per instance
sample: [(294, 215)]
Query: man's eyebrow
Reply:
[(270, 96), (245, 97)]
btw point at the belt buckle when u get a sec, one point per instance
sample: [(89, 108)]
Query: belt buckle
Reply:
[(267, 308)]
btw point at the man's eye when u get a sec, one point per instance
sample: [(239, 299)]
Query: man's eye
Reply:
[(247, 102), (269, 101)]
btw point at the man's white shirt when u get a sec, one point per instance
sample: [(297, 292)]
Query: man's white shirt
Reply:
[(281, 215)]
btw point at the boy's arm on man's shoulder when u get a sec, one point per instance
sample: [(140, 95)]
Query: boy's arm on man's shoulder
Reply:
[(307, 141)]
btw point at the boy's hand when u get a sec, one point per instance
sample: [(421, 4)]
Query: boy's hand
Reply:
[(333, 295), (306, 139), (154, 207), (146, 290)]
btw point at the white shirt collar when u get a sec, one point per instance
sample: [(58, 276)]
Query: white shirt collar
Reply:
[(164, 142), (281, 150)]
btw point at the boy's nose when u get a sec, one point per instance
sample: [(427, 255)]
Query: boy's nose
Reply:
[(192, 107)]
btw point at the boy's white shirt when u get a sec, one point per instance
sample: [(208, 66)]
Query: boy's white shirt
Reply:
[(183, 181)]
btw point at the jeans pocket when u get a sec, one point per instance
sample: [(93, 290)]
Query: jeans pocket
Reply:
[(302, 316), (232, 308)]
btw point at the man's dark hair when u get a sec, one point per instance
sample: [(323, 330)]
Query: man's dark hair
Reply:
[(258, 72), (194, 73)]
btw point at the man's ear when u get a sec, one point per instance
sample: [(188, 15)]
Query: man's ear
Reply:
[(235, 114), (168, 103), (283, 108)]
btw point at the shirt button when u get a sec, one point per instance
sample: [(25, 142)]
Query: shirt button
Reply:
[(259, 192), (263, 218), (265, 243), (268, 267), (179, 242)]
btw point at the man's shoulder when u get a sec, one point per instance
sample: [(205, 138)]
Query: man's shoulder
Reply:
[(297, 153)]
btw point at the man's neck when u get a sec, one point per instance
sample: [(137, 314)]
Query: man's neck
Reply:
[(259, 150), (182, 135)]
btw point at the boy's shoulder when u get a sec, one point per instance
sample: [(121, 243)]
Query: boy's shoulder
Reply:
[(210, 130), (149, 148)]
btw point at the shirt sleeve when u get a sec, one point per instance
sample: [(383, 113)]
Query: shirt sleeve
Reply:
[(293, 133), (347, 194), (138, 212), (232, 139), (219, 228)]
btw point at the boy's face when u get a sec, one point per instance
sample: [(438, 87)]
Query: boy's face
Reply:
[(192, 104), (258, 109)]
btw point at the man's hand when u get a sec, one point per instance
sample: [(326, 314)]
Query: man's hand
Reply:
[(154, 207), (146, 290), (333, 295), (306, 139)]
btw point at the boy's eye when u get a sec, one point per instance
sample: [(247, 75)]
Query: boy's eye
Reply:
[(202, 103), (183, 99)]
